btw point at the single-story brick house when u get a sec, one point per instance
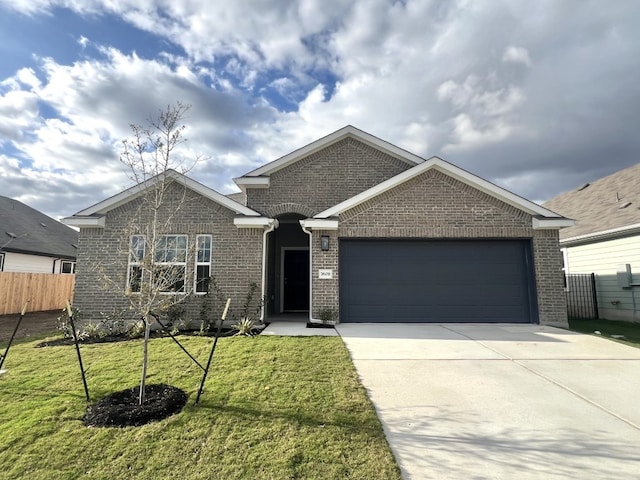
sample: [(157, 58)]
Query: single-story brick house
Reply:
[(354, 224)]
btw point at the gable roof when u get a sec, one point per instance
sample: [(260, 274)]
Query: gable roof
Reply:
[(607, 206), (458, 173), (26, 230), (346, 132), (92, 216)]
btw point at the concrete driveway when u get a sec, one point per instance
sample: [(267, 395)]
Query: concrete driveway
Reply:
[(501, 401)]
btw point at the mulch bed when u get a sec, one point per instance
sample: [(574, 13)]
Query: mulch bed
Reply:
[(65, 341), (121, 409)]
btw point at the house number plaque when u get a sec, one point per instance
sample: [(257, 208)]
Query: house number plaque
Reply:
[(325, 273)]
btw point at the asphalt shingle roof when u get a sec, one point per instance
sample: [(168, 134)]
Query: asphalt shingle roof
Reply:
[(607, 203), (35, 232)]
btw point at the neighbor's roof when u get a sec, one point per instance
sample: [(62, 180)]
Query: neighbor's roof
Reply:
[(26, 230), (604, 207)]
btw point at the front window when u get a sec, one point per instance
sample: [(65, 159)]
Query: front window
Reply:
[(203, 263), (169, 265), (136, 256)]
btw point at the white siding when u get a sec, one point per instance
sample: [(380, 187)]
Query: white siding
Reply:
[(603, 259), (19, 262)]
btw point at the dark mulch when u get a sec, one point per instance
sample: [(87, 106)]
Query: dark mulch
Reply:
[(320, 325), (57, 342), (121, 409)]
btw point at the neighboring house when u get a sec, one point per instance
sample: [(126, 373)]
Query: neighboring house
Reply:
[(605, 239), (351, 223), (32, 242)]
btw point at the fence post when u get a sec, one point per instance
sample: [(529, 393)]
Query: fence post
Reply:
[(594, 296)]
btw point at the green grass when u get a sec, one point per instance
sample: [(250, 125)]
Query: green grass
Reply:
[(273, 408), (631, 331)]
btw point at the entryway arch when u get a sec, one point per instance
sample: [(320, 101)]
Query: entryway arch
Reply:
[(288, 267)]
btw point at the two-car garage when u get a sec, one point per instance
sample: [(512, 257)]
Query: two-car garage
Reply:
[(442, 281)]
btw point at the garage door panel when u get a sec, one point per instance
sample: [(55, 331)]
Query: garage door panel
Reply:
[(434, 281)]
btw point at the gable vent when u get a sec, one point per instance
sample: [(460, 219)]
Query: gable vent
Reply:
[(583, 187)]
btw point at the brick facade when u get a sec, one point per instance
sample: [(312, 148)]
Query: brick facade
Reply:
[(324, 179), (103, 255), (436, 206)]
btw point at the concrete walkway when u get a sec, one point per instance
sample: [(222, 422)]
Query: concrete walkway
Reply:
[(501, 401), (297, 329)]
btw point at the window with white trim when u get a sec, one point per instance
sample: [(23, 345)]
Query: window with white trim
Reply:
[(170, 263), (136, 256), (203, 264), (67, 267)]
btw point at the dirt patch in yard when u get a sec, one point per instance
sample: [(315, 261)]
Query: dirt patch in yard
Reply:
[(32, 325)]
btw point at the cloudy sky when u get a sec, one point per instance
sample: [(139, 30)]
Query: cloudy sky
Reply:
[(536, 96)]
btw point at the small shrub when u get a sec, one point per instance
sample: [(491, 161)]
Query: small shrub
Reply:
[(327, 314), (244, 326), (135, 330), (64, 324), (175, 314), (91, 330)]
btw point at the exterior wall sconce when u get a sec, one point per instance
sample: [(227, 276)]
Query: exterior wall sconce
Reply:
[(324, 242)]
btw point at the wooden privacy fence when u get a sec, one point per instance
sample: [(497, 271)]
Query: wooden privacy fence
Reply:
[(44, 291)]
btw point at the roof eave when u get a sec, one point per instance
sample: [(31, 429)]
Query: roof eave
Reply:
[(252, 182), (610, 234), (543, 223), (80, 221), (254, 222), (320, 223)]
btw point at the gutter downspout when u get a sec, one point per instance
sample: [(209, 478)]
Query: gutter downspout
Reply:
[(308, 232), (272, 226), (54, 264)]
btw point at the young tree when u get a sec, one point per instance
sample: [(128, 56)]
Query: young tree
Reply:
[(156, 277)]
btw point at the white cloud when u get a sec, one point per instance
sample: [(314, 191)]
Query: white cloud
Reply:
[(431, 77), (516, 55), (468, 135), (18, 114)]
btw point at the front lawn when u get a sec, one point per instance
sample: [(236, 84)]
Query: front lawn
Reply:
[(273, 408), (607, 328)]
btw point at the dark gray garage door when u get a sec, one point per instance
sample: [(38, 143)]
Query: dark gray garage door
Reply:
[(436, 281)]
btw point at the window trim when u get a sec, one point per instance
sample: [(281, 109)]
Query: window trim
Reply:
[(137, 256), (175, 263), (70, 262), (1, 261), (198, 263), (135, 263)]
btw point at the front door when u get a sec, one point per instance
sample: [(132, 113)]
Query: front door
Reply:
[(295, 279)]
